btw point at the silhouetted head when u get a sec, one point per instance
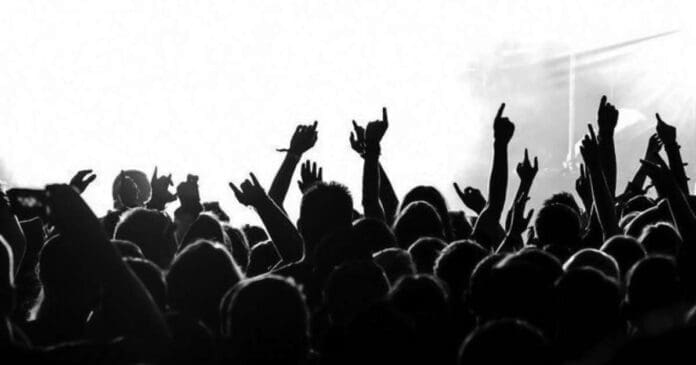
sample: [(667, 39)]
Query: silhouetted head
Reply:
[(128, 249), (558, 225), (254, 234), (152, 231), (199, 277), (596, 259), (325, 209), (142, 183), (661, 239), (564, 198), (205, 227), (461, 228), (373, 233), (625, 250), (7, 291), (481, 295), (505, 341), (266, 322), (455, 265), (239, 244), (653, 285), (418, 219), (335, 250), (352, 288), (395, 262), (432, 196), (425, 252), (192, 342), (588, 310), (263, 257), (152, 278), (66, 276)]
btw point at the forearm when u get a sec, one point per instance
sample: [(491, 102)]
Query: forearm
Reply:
[(497, 186), (281, 231), (607, 152), (387, 196), (281, 181), (676, 165), (603, 201), (370, 186)]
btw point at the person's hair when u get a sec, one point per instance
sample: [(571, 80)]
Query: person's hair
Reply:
[(625, 250), (128, 249), (505, 341), (432, 196), (557, 225), (262, 258), (352, 288), (418, 219), (481, 294), (395, 262), (239, 245), (326, 208), (455, 265), (205, 227), (564, 198), (588, 310), (653, 284), (662, 239), (141, 180), (591, 257), (152, 231), (192, 342), (266, 322), (461, 227), (373, 234), (199, 277), (254, 234), (425, 252), (152, 278)]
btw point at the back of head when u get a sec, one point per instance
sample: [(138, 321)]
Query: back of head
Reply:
[(455, 265), (325, 209), (432, 196), (199, 277), (152, 231), (625, 250), (152, 278), (661, 239), (564, 198), (373, 233), (588, 309), (254, 234), (422, 297), (128, 249), (205, 227), (596, 259), (505, 341), (141, 180), (262, 258), (653, 284), (239, 244), (425, 252), (267, 322), (192, 342), (395, 262), (461, 227), (481, 295), (558, 225), (418, 219), (353, 288)]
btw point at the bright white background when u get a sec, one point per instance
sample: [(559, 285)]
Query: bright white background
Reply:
[(213, 87)]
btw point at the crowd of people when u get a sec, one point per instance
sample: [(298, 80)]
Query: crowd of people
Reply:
[(610, 278)]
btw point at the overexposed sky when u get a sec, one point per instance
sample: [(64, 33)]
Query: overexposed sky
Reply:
[(213, 87)]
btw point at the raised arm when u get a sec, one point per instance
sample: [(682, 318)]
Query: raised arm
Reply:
[(668, 136), (282, 232), (488, 224), (518, 224), (160, 191), (603, 200), (635, 186), (148, 333), (607, 117), (303, 139), (373, 136)]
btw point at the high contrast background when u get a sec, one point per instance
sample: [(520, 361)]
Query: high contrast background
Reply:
[(213, 87)]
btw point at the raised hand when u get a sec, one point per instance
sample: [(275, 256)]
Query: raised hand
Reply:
[(160, 191), (519, 222), (188, 190), (525, 170), (471, 197), (607, 116), (82, 179), (250, 193), (310, 175), (375, 130), (583, 188), (303, 139), (589, 149), (659, 173), (357, 139), (503, 128), (666, 132)]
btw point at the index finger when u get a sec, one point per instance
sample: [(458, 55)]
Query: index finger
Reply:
[(500, 111), (384, 114)]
